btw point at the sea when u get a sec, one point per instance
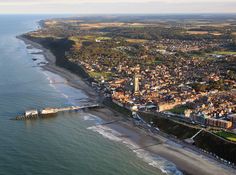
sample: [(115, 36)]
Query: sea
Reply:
[(72, 143)]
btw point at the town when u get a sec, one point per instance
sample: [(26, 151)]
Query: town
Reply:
[(170, 76), (182, 69)]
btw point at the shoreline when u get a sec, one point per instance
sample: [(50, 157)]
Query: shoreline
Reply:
[(72, 79), (186, 160)]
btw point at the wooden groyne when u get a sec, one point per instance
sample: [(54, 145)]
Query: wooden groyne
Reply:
[(46, 112)]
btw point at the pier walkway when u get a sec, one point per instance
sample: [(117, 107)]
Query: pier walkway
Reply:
[(43, 113)]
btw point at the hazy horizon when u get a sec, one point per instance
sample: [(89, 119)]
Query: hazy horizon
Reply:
[(117, 7)]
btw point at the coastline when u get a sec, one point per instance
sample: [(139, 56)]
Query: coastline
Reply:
[(72, 79), (186, 160)]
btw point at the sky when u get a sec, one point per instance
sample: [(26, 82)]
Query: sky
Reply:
[(116, 6)]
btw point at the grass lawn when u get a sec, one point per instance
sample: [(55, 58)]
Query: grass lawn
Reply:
[(179, 109), (103, 38), (96, 75), (227, 135)]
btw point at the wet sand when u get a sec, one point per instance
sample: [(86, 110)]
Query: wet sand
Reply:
[(185, 159)]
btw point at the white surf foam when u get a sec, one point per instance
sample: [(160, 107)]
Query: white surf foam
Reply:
[(66, 91), (164, 165), (33, 50), (49, 79), (57, 82), (90, 117), (37, 54)]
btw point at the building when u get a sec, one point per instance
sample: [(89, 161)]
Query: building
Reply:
[(232, 117), (187, 113), (48, 111), (136, 84), (219, 123), (199, 118)]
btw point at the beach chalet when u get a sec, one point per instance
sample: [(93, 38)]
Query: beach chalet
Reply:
[(49, 111), (31, 112)]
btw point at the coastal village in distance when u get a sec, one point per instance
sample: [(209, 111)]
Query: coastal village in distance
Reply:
[(181, 70)]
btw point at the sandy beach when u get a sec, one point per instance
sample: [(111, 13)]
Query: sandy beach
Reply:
[(186, 160), (72, 79)]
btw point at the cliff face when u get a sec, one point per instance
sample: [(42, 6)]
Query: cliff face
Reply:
[(205, 140), (59, 47)]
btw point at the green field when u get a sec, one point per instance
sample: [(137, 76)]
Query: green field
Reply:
[(227, 135), (225, 53)]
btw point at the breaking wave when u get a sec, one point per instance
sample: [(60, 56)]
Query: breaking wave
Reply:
[(164, 165)]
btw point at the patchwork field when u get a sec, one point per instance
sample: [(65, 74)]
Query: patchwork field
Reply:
[(88, 26), (197, 32), (225, 53), (137, 40), (203, 33)]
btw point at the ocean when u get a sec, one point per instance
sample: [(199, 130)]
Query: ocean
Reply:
[(70, 143)]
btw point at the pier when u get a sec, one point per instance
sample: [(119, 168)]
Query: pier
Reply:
[(46, 112)]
